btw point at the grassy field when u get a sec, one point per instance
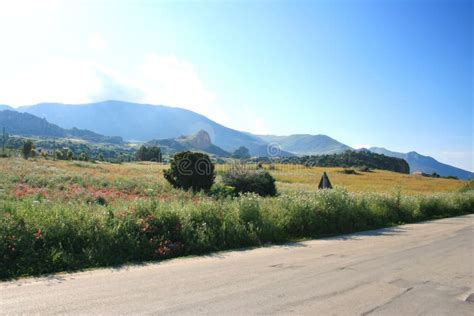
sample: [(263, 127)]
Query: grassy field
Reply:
[(134, 180), (291, 178), (67, 215)]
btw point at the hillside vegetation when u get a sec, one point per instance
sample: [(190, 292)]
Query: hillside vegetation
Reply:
[(24, 124), (66, 215), (351, 158)]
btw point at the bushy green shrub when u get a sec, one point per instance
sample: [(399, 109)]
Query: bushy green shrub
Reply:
[(191, 170), (260, 182)]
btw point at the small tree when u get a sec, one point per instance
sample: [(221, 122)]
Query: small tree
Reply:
[(241, 153), (152, 153), (69, 154), (4, 141), (83, 157), (27, 149), (58, 154), (191, 170)]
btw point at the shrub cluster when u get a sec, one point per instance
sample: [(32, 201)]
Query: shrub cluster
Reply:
[(260, 182), (42, 236)]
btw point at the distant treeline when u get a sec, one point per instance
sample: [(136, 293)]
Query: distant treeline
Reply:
[(66, 149), (348, 159)]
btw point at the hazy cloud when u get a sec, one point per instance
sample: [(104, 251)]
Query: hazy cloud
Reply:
[(97, 42), (165, 80)]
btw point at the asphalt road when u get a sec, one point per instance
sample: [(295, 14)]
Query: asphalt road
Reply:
[(413, 269)]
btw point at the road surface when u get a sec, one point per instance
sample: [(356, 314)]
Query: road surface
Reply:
[(424, 268)]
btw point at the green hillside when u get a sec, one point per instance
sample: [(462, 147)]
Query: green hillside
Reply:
[(24, 124)]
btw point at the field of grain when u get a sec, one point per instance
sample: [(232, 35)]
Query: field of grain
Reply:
[(291, 178)]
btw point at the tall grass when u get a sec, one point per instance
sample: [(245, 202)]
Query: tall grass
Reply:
[(38, 235)]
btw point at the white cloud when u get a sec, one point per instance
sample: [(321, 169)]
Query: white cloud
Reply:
[(260, 127), (97, 42), (54, 80), (169, 80), (165, 80), (245, 118)]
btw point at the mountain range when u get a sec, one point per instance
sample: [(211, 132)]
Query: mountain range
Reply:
[(425, 164), (167, 126), (304, 144), (5, 107), (143, 122), (24, 124)]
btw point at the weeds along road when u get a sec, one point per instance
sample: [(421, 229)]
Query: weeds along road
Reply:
[(424, 268)]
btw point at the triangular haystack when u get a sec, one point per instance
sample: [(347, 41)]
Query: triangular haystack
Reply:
[(324, 183)]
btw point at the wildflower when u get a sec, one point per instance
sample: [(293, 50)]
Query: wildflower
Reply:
[(39, 234)]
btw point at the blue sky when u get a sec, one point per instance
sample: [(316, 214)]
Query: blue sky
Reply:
[(395, 74)]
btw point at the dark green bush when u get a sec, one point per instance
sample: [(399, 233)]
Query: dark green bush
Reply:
[(152, 153), (349, 171), (260, 182), (191, 170), (364, 169)]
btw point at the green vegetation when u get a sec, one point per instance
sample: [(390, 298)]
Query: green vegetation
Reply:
[(27, 150), (71, 149), (260, 182), (151, 153), (436, 175), (40, 236), (69, 215), (468, 187), (4, 143), (30, 125), (191, 170), (354, 159)]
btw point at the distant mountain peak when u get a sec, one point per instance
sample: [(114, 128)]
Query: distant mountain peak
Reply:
[(4, 107), (306, 144), (425, 164), (200, 140)]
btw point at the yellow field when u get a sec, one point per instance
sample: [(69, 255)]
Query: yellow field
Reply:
[(300, 178)]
